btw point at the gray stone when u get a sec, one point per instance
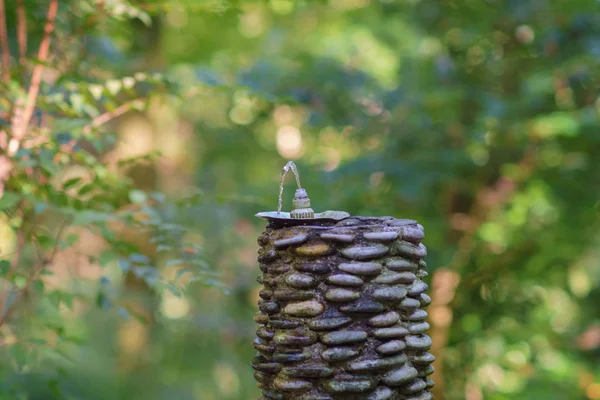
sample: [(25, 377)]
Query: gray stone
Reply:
[(381, 236), (339, 353), (308, 371), (361, 268), (291, 294), (423, 358), (263, 347), (420, 342), (363, 306), (419, 328), (419, 315), (339, 295), (428, 370), (328, 323), (268, 256), (389, 293), (280, 269), (261, 318), (290, 338), (385, 320), (400, 376), (409, 250), (268, 307), (366, 252), (343, 337), (291, 385), (390, 333), (304, 309), (353, 386), (282, 243), (381, 393), (300, 281), (391, 347), (315, 396), (421, 274), (312, 268), (424, 299), (265, 294), (272, 394), (289, 358), (338, 237), (401, 222), (390, 278), (409, 304), (401, 264), (264, 333), (271, 368), (415, 386), (283, 323), (376, 363), (429, 383), (345, 280), (421, 396), (417, 288), (313, 250), (262, 377), (412, 234)]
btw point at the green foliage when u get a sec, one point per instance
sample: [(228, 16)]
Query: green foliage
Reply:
[(477, 118)]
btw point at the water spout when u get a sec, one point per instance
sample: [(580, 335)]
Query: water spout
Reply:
[(289, 166)]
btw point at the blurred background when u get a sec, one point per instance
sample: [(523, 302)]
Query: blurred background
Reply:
[(478, 118)]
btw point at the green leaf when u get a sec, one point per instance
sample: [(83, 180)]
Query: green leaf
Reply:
[(20, 281), (45, 241), (69, 183), (90, 217), (38, 286), (113, 86), (107, 256), (71, 239), (138, 196), (19, 354), (8, 200), (96, 91), (85, 189), (183, 271), (4, 267), (77, 102)]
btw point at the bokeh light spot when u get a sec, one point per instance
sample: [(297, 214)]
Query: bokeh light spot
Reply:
[(289, 142)]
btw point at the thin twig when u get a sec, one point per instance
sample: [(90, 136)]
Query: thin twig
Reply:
[(107, 116), (4, 44), (21, 123), (22, 32), (23, 113)]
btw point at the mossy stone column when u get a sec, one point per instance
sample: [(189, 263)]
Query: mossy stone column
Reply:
[(341, 311)]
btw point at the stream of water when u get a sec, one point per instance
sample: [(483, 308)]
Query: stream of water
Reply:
[(289, 166)]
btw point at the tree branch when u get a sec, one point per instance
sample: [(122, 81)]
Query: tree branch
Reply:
[(21, 122), (22, 31), (23, 113), (106, 117), (4, 44)]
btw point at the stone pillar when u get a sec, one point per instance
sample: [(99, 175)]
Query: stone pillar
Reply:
[(341, 311)]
